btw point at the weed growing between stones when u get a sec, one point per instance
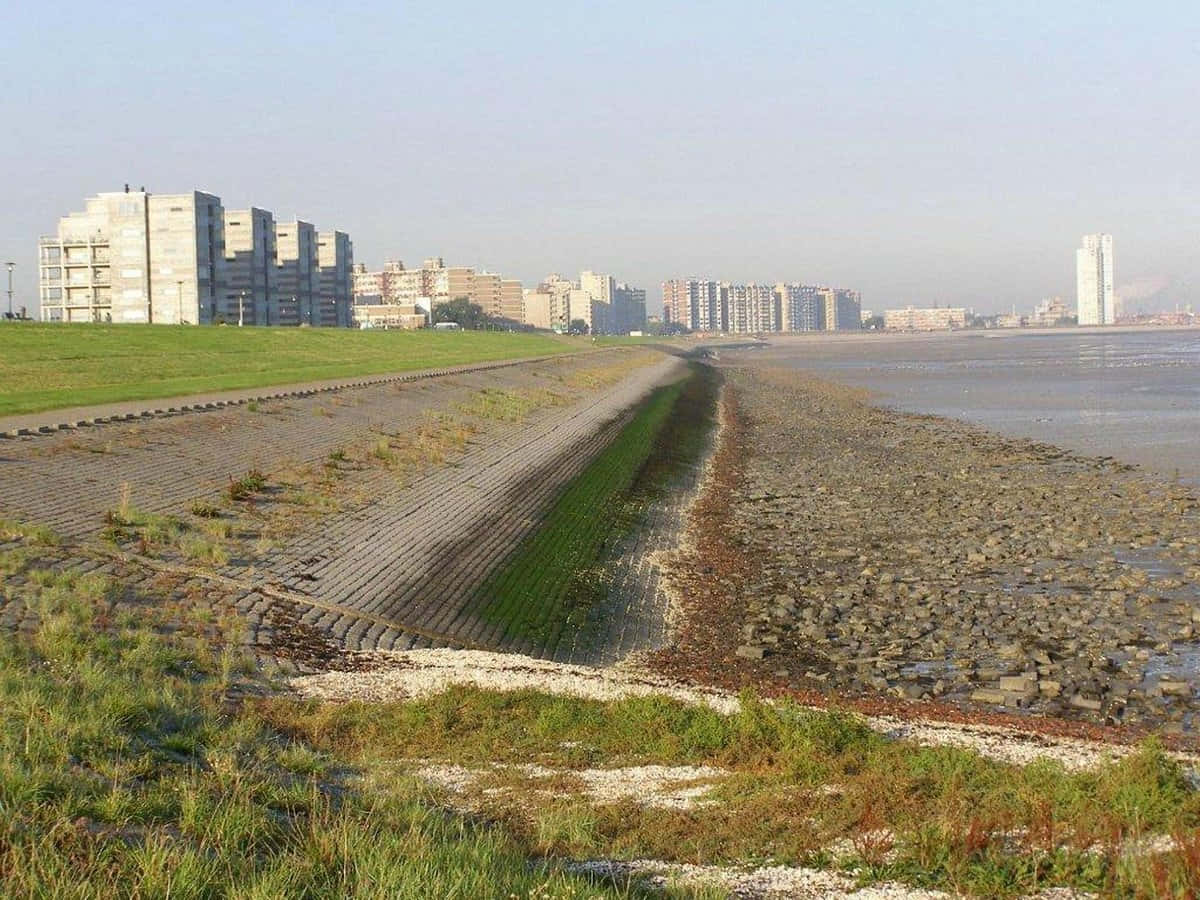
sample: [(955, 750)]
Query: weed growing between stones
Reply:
[(509, 405), (202, 509), (247, 486)]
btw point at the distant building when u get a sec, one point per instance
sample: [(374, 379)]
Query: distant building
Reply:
[(695, 304), (751, 308), (250, 278), (802, 307), (296, 273), (1094, 297), (600, 289), (426, 287), (843, 309), (604, 305), (511, 300), (629, 309), (1010, 320), (133, 256), (924, 319), (335, 289), (536, 306), (1050, 311)]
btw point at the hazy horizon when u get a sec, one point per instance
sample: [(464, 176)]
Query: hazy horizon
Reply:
[(920, 153)]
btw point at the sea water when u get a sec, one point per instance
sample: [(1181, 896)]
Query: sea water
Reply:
[(1130, 394)]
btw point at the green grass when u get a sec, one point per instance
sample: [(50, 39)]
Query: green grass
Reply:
[(129, 767), (550, 585), (47, 366), (802, 781), (127, 770)]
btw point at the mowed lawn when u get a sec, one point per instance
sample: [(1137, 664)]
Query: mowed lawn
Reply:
[(49, 366)]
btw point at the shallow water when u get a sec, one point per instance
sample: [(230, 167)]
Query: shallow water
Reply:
[(1133, 395)]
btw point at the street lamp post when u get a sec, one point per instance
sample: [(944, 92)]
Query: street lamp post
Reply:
[(10, 266), (241, 304), (179, 302)]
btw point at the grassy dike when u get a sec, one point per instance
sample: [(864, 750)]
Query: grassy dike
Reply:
[(552, 584), (47, 366)]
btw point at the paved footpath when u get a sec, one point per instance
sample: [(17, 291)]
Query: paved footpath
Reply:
[(396, 567)]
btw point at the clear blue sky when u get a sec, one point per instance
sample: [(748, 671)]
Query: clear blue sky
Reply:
[(925, 151)]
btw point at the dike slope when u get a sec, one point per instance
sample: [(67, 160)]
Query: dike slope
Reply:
[(353, 519)]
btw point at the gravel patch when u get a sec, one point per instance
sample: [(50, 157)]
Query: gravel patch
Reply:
[(764, 882), (421, 673), (659, 787)]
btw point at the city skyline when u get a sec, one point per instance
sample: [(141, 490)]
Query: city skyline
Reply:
[(950, 158)]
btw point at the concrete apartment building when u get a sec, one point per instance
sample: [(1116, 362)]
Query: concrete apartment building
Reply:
[(802, 308), (500, 298), (133, 256), (924, 319), (843, 309), (1050, 311), (536, 306), (424, 288), (600, 288), (759, 308), (512, 297), (296, 272), (603, 304), (751, 308), (335, 263), (568, 302), (250, 294), (560, 290), (695, 304), (629, 308), (1095, 300)]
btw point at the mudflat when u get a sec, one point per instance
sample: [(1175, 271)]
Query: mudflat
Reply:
[(861, 551), (1129, 393)]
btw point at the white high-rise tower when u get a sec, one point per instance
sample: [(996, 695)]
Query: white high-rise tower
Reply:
[(1096, 304)]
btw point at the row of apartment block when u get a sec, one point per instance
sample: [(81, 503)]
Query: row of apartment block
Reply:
[(932, 318), (133, 256), (601, 303), (396, 297), (711, 306)]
